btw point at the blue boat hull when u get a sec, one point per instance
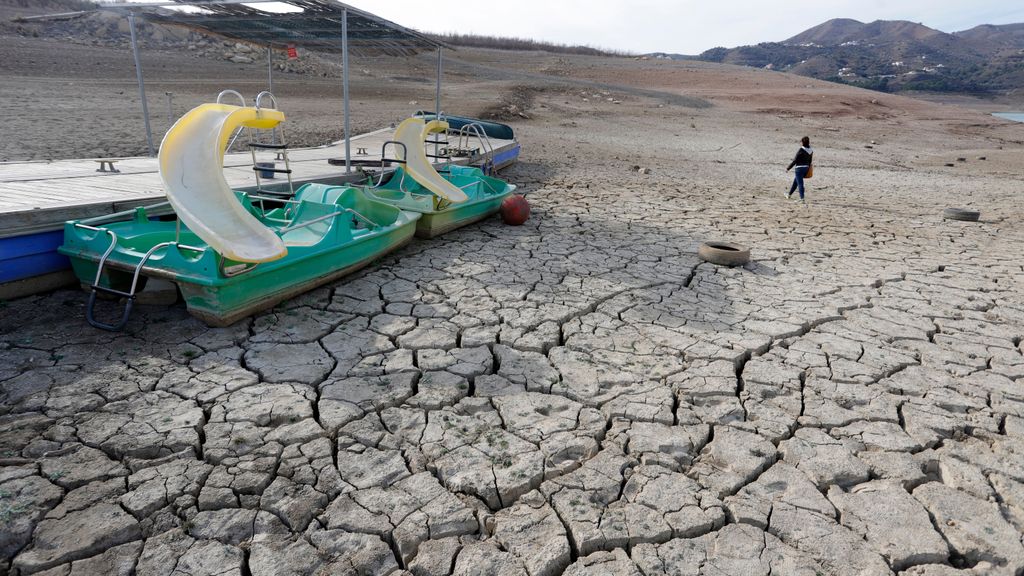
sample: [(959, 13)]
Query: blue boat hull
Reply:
[(30, 264)]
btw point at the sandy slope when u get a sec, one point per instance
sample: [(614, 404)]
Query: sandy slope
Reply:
[(66, 100)]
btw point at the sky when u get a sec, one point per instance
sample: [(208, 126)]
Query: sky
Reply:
[(683, 26)]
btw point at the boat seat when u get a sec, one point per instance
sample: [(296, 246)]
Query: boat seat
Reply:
[(311, 234), (320, 193)]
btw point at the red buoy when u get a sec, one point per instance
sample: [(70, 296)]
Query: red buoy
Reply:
[(515, 210)]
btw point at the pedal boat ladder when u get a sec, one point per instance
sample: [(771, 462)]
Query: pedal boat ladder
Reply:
[(130, 295)]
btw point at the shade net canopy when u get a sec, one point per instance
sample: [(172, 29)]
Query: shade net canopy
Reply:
[(313, 24)]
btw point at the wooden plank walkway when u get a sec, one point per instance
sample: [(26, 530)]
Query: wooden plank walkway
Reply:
[(40, 196)]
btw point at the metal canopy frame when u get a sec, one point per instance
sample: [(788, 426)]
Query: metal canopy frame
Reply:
[(322, 25)]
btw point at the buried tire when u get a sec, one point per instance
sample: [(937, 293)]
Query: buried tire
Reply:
[(724, 253), (961, 214)]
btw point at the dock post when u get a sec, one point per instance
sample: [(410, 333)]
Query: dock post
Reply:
[(344, 86), (142, 85)]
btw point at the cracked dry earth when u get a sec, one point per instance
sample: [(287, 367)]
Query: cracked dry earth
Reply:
[(576, 396)]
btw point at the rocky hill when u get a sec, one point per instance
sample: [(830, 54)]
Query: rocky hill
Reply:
[(894, 56), (78, 22), (1007, 35)]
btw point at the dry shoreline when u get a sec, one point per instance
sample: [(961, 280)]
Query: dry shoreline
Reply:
[(580, 395)]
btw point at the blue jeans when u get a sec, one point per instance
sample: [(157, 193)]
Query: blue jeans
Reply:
[(798, 180)]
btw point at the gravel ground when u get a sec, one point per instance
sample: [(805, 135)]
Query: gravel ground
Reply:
[(579, 395)]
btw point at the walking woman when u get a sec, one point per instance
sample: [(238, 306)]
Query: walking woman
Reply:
[(802, 163)]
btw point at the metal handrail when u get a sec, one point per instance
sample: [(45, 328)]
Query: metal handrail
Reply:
[(235, 92), (483, 182), (103, 259), (282, 154), (361, 217), (448, 157), (117, 215), (282, 200), (130, 295), (327, 216), (113, 243), (383, 159), (181, 246), (477, 130), (263, 207), (287, 229), (238, 132), (93, 228), (138, 268), (266, 93)]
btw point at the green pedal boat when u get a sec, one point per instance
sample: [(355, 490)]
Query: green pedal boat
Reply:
[(448, 198), (324, 241), (437, 215), (230, 253)]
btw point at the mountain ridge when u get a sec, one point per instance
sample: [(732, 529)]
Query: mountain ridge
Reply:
[(842, 30), (891, 56)]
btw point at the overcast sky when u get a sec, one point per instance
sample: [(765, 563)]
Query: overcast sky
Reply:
[(683, 26)]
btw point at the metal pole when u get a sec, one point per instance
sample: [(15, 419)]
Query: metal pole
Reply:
[(437, 93), (270, 69), (170, 108), (437, 98), (270, 85), (344, 86), (142, 85)]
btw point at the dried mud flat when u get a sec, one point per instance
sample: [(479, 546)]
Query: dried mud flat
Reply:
[(579, 395)]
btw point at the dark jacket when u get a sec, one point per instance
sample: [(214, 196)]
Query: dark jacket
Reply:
[(804, 156)]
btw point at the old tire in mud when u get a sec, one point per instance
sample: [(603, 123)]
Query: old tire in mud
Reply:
[(961, 214), (724, 253)]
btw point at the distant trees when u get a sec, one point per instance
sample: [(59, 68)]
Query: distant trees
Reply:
[(509, 43), (715, 54), (879, 84)]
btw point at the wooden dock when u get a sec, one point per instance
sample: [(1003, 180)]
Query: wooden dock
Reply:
[(40, 196)]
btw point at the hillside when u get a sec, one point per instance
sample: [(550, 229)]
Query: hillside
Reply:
[(894, 56), (1008, 35), (85, 60), (845, 30)]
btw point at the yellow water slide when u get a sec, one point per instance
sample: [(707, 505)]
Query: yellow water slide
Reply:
[(192, 170), (413, 132)]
